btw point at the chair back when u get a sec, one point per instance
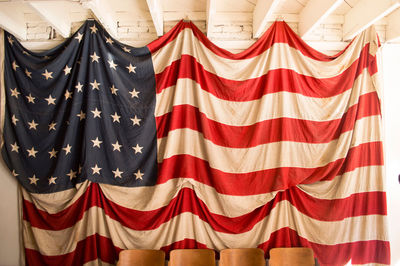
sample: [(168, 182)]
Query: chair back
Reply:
[(192, 257), (291, 256), (242, 257), (141, 257)]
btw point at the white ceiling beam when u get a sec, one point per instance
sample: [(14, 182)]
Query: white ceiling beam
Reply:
[(262, 13), (104, 13), (157, 15), (54, 12), (211, 10), (364, 14), (314, 14), (12, 19), (393, 26), (178, 15)]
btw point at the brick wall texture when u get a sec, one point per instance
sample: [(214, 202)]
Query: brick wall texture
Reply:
[(144, 31)]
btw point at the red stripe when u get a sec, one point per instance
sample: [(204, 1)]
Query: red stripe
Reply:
[(91, 248), (290, 129), (183, 244), (273, 81), (368, 203), (279, 32), (359, 252), (186, 166), (168, 37)]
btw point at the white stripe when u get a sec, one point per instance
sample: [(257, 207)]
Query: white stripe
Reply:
[(360, 180), (141, 198), (187, 225), (270, 155), (226, 205), (57, 201), (270, 106), (280, 55)]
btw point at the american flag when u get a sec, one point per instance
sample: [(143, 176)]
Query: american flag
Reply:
[(181, 144)]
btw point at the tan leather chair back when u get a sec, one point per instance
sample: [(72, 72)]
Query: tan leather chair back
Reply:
[(242, 257), (141, 257), (291, 257), (192, 257)]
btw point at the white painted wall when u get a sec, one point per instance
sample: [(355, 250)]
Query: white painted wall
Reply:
[(9, 225), (391, 79)]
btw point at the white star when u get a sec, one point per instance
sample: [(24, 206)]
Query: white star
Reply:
[(53, 153), (79, 37), (95, 85), (32, 152), (14, 65), (10, 40), (14, 93), (96, 169), (96, 142), (117, 173), (52, 126), (52, 180), (81, 115), (71, 174), (67, 70), (67, 149), (95, 57), (93, 29), (126, 49), (112, 64), (33, 125), (96, 113), (68, 95), (136, 121), (137, 148), (14, 120), (30, 98), (15, 147), (14, 173), (139, 175), (116, 146), (115, 117), (109, 40), (131, 68), (113, 90), (50, 100), (79, 87), (47, 74), (28, 74), (134, 93), (33, 180)]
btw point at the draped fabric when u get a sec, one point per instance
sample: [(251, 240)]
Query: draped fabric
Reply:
[(186, 145)]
